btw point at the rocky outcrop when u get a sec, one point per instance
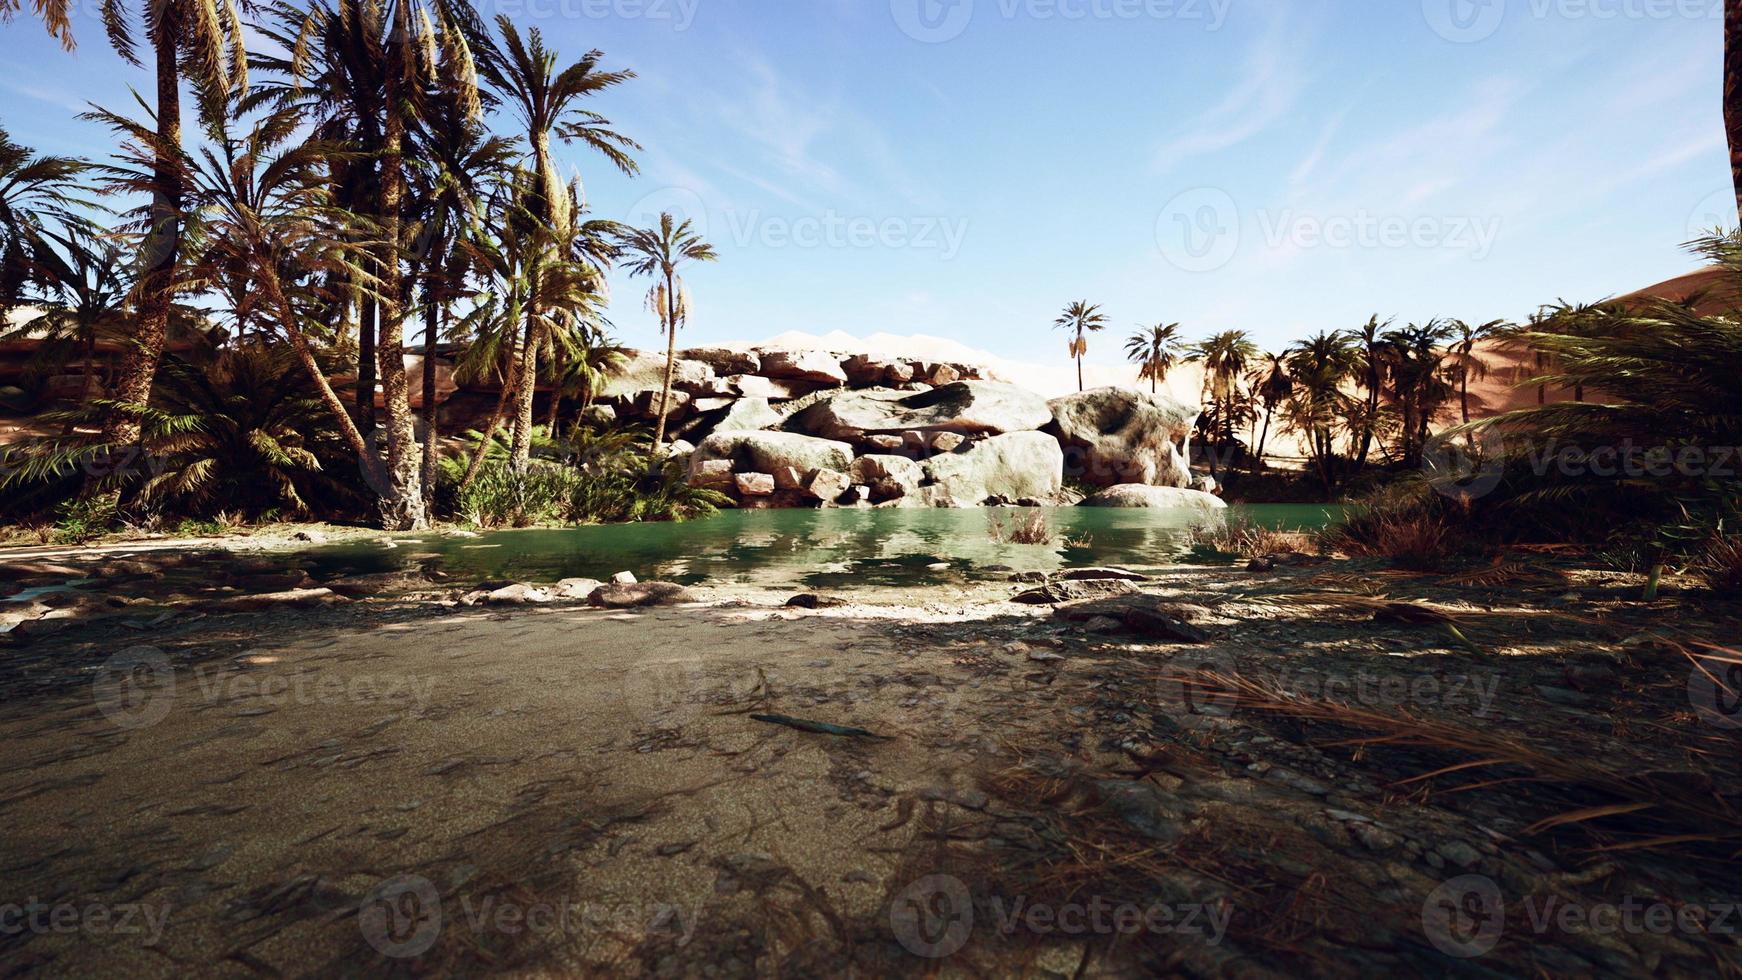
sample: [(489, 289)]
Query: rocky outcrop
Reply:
[(764, 452), (1010, 466), (965, 408), (1141, 495), (802, 365), (1114, 436)]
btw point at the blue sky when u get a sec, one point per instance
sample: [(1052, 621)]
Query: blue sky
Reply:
[(965, 168)]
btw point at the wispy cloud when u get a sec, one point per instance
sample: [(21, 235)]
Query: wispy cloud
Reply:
[(1270, 80)]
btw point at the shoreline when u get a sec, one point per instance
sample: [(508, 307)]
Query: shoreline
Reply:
[(308, 755)]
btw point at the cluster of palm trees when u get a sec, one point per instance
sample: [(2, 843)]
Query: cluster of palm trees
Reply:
[(1343, 393), (361, 165)]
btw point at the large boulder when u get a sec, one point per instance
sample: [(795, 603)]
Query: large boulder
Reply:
[(724, 360), (765, 452), (748, 415), (1014, 465), (1114, 436), (802, 365), (870, 371), (1142, 495), (771, 389), (966, 407), (644, 371), (889, 477)]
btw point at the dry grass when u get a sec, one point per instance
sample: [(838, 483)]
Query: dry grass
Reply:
[(1032, 527), (1239, 536), (1720, 564), (1416, 539)]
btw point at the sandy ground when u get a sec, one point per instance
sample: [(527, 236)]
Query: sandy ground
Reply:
[(401, 787)]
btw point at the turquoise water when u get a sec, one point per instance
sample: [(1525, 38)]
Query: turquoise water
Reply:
[(813, 548)]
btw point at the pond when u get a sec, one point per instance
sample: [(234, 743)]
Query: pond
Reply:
[(813, 548)]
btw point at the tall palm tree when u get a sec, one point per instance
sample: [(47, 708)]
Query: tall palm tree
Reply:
[(1318, 406), (203, 40), (1415, 369), (658, 253), (1225, 357), (1155, 351), (1080, 319), (1274, 387), (37, 195), (1465, 361), (524, 73), (1733, 94)]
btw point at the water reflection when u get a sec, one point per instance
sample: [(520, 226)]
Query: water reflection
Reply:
[(818, 548)]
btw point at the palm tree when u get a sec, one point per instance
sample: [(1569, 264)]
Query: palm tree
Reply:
[(1415, 370), (1733, 95), (1080, 319), (1318, 405), (91, 298), (658, 253), (1225, 357), (1370, 375), (1155, 352), (525, 75), (204, 40), (1464, 358), (36, 194), (1274, 387)]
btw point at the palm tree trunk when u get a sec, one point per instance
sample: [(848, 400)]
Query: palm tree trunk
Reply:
[(431, 450), (670, 364), (366, 456), (402, 496), (1733, 93), (139, 359), (510, 385), (520, 444), (368, 329)]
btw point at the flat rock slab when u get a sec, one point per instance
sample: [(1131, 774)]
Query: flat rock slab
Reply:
[(292, 599), (638, 594), (1149, 616), (1096, 574), (1054, 593)]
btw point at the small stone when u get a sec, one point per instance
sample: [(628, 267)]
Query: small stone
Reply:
[(640, 594), (623, 578), (811, 600), (1043, 656), (1459, 853)]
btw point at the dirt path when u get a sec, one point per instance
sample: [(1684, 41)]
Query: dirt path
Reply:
[(585, 791)]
